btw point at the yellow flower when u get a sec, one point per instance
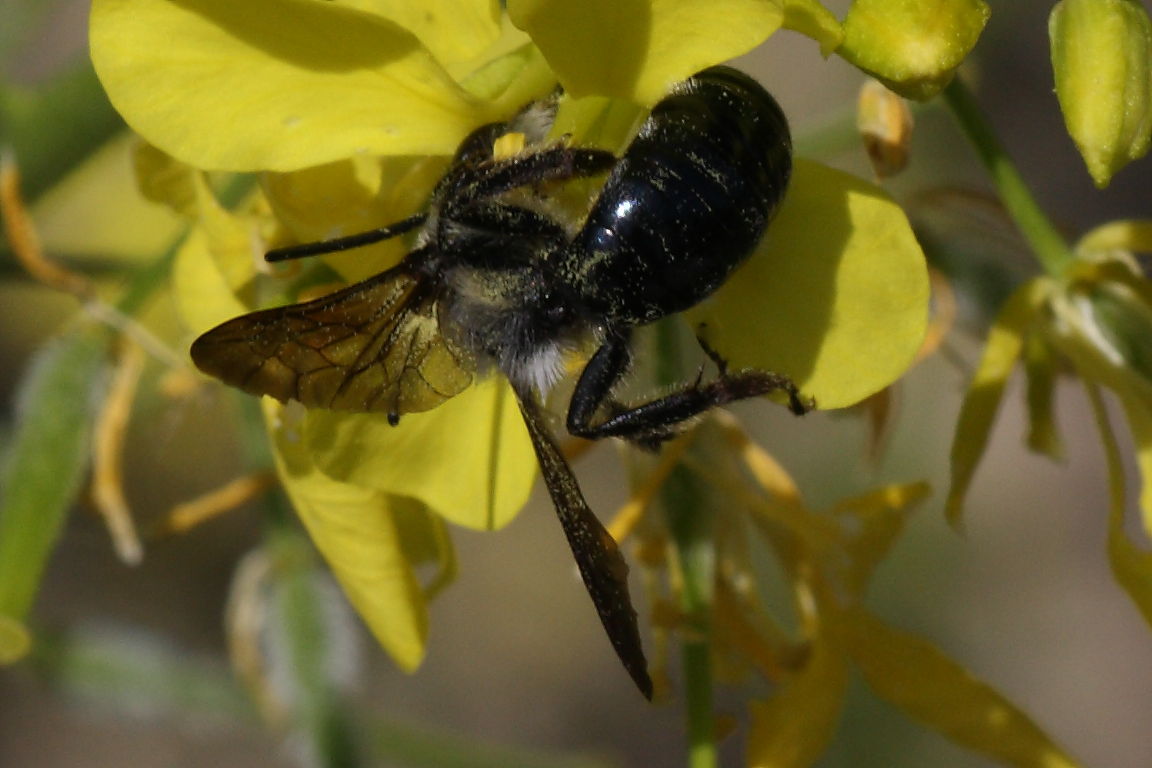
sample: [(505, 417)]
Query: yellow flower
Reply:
[(1095, 320), (828, 559), (349, 111)]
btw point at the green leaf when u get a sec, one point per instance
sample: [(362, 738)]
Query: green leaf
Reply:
[(309, 631), (122, 672), (917, 677), (56, 126), (46, 462), (978, 412)]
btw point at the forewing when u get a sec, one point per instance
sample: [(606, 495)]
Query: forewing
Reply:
[(601, 565), (373, 346)]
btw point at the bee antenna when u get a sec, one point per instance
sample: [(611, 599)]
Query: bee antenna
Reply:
[(346, 243)]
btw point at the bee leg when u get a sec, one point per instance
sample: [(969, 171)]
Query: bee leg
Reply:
[(795, 403), (721, 363), (655, 421), (594, 388), (592, 412)]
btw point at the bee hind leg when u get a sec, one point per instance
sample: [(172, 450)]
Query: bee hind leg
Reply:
[(651, 423)]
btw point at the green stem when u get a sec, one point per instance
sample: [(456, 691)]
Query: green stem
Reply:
[(691, 529), (1048, 245)]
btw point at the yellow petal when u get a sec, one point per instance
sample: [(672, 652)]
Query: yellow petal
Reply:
[(836, 296), (85, 213), (216, 84), (812, 19), (358, 534), (15, 640), (1133, 235), (453, 31), (884, 121), (878, 519), (978, 413), (637, 49), (912, 46), (1139, 413), (513, 78), (795, 726), (596, 121), (1131, 566), (165, 180), (202, 295), (215, 266), (351, 196), (469, 459), (1042, 367), (425, 540), (914, 675)]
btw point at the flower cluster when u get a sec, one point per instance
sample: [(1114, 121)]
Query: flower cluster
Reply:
[(348, 112)]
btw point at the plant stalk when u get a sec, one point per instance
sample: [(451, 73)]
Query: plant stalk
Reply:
[(1048, 245), (691, 527)]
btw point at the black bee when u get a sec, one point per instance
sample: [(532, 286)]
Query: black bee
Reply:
[(499, 278)]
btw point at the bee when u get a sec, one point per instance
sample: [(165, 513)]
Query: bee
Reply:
[(499, 281)]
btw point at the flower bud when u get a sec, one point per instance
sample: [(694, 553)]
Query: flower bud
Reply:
[(912, 46), (885, 124), (1102, 61)]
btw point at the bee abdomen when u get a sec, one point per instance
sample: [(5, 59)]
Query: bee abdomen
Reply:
[(689, 200)]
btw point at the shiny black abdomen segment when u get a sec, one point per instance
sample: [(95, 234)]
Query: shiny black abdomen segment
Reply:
[(688, 201)]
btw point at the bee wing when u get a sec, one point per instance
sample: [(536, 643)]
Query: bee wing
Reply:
[(597, 556), (373, 346)]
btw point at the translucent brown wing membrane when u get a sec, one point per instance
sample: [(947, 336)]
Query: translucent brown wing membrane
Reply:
[(601, 565), (373, 346)]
